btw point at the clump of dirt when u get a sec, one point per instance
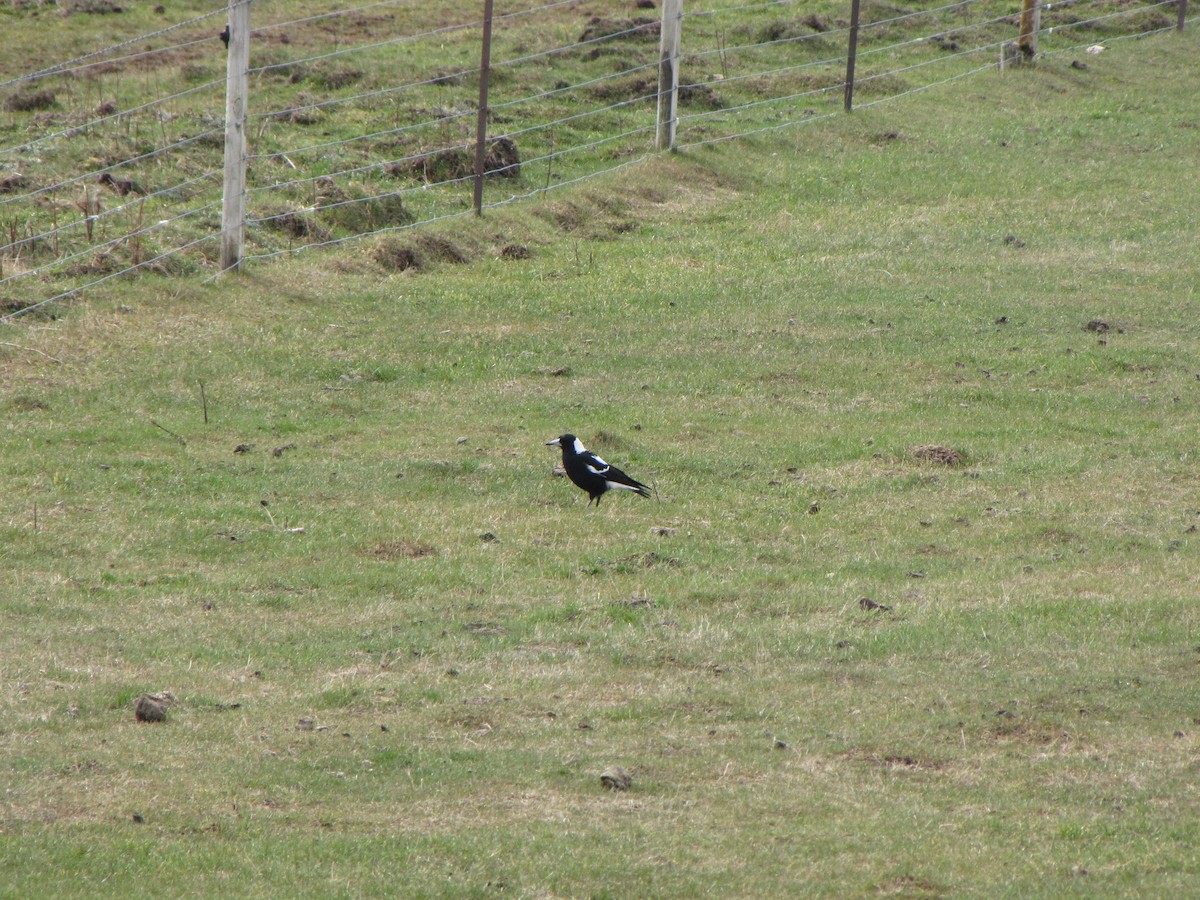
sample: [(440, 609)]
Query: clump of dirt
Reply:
[(337, 79), (616, 778), (514, 251), (699, 97), (435, 166), (501, 158), (30, 102), (639, 28), (437, 248), (936, 453), (564, 215), (301, 115), (102, 263), (396, 256), (623, 89), (120, 186), (790, 29), (12, 182), (298, 225), (150, 708), (90, 7)]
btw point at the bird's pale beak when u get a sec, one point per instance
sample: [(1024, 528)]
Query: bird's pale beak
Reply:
[(553, 443)]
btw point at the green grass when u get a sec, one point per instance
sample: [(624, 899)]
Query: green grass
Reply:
[(766, 347), (359, 99)]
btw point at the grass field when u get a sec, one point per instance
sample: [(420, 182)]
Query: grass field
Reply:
[(313, 504)]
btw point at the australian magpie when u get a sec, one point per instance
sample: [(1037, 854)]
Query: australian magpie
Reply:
[(591, 473)]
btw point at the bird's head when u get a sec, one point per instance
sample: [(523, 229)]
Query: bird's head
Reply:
[(566, 441)]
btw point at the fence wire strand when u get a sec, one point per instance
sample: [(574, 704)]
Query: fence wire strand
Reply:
[(601, 130)]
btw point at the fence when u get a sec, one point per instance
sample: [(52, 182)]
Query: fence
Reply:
[(109, 174)]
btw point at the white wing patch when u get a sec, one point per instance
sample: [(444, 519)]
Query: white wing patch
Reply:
[(604, 467), (617, 486)]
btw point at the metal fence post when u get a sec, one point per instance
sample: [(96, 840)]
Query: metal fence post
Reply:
[(233, 189), (485, 71), (668, 73), (851, 55)]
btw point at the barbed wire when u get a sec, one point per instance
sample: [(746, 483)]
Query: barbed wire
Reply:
[(703, 13), (579, 161), (553, 92), (454, 116), (992, 47), (445, 76), (109, 277), (841, 58), (73, 70), (434, 152), (160, 151), (59, 68), (337, 13), (112, 212), (1118, 14), (912, 15), (458, 214), (97, 249), (114, 117), (445, 29)]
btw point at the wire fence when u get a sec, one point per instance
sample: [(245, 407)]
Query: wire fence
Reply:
[(362, 122)]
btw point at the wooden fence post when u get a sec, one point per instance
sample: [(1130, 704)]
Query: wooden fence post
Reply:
[(851, 55), (668, 73), (233, 190), (485, 72), (1181, 8), (1031, 24)]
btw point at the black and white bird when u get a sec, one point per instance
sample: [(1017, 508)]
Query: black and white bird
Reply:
[(592, 474)]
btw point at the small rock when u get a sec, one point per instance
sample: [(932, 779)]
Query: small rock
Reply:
[(488, 538), (461, 440), (306, 725), (662, 530), (616, 778)]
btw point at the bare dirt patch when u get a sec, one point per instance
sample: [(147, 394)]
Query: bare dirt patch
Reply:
[(936, 453)]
